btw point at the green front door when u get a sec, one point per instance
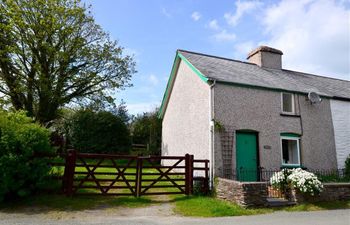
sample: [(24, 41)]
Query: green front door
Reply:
[(246, 156)]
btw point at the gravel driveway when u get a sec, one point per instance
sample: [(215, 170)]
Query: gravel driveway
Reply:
[(162, 215)]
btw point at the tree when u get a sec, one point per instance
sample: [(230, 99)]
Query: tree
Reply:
[(53, 53), (147, 129), (98, 132)]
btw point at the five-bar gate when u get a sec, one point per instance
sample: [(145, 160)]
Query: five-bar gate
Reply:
[(108, 174)]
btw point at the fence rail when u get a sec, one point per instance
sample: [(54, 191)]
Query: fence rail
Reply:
[(108, 174), (265, 175)]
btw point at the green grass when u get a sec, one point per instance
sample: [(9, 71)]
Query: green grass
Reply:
[(199, 206)]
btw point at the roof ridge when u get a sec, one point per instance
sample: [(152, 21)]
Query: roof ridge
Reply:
[(214, 56), (315, 75), (239, 61)]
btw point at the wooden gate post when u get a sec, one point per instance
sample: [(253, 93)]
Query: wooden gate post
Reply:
[(68, 177), (138, 176), (188, 174), (191, 174)]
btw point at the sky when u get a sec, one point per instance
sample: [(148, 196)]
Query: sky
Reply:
[(314, 36)]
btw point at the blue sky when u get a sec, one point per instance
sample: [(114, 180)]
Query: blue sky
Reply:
[(313, 34)]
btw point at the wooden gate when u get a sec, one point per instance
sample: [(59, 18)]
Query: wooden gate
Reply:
[(132, 175)]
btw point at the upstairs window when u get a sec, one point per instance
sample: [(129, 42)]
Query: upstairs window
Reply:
[(287, 103), (290, 151)]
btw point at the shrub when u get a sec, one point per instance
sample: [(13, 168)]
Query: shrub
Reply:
[(21, 173), (347, 168), (299, 179), (98, 132)]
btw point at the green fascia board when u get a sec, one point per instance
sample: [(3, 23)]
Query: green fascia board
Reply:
[(290, 135), (177, 59), (199, 74)]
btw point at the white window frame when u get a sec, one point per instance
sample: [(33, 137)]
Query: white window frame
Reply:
[(293, 104), (298, 147)]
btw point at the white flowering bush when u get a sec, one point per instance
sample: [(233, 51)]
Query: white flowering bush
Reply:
[(279, 179), (299, 179), (305, 182)]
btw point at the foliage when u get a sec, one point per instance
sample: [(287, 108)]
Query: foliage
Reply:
[(147, 129), (20, 140), (98, 132), (53, 53), (297, 178), (347, 168)]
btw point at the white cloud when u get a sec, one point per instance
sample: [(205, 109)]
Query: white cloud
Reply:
[(313, 34), (137, 108), (213, 24), (166, 13), (242, 49), (196, 16), (224, 36), (242, 7), (153, 80)]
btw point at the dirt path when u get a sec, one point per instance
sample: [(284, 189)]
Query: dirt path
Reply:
[(162, 208)]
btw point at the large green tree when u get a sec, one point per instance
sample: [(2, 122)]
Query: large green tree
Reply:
[(53, 53)]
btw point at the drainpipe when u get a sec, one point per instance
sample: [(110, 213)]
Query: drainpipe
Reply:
[(212, 83)]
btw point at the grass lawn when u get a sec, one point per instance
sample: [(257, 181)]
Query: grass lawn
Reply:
[(210, 207)]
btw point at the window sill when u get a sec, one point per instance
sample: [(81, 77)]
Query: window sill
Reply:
[(290, 166), (289, 114)]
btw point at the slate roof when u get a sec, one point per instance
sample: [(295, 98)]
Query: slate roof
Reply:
[(234, 71)]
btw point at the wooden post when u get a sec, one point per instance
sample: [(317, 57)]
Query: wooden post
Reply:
[(187, 176), (69, 169), (138, 181), (191, 158), (206, 178)]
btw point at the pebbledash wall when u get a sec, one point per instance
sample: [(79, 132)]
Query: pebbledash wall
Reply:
[(341, 123), (244, 108), (186, 119)]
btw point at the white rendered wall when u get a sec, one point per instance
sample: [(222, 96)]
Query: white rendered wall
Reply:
[(341, 123)]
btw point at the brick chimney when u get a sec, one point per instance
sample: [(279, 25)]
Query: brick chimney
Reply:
[(267, 57)]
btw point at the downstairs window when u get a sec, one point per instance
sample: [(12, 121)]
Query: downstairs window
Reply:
[(290, 151)]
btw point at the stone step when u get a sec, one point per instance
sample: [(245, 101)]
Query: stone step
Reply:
[(278, 202)]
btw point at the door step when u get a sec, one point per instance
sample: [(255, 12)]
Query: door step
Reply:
[(278, 202)]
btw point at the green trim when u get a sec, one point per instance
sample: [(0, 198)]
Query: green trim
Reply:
[(169, 84), (290, 135), (177, 59), (203, 78)]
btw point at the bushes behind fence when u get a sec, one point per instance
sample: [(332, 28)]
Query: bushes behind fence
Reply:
[(20, 140)]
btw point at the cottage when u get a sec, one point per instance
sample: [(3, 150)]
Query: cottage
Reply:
[(248, 116)]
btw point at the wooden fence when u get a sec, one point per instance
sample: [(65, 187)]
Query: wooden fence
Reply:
[(106, 174)]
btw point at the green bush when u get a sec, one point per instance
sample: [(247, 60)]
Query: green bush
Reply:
[(99, 132), (21, 173), (347, 168)]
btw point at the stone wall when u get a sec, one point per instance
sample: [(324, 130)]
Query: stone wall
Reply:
[(243, 193), (331, 192)]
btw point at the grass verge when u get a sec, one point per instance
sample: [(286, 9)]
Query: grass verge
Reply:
[(211, 207)]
